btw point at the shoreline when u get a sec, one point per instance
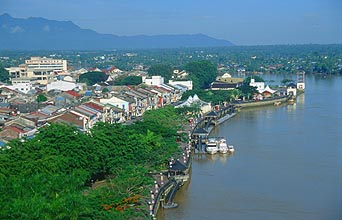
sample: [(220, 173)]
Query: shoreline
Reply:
[(173, 188)]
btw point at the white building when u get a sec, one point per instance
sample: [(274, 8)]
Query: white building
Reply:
[(153, 81), (260, 85), (22, 84), (17, 72), (180, 74), (46, 63), (42, 70), (204, 106), (114, 101), (62, 86), (187, 84)]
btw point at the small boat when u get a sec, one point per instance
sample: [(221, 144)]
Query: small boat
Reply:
[(231, 148), (212, 146), (222, 146), (291, 100), (277, 103)]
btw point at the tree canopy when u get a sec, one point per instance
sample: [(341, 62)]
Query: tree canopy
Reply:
[(202, 73), (128, 80), (4, 75), (213, 96), (48, 177), (41, 98), (91, 78), (256, 78), (163, 70)]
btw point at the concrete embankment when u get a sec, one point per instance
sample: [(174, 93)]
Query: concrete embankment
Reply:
[(262, 102), (221, 120), (168, 182)]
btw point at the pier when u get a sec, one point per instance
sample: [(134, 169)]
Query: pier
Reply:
[(168, 182), (205, 125)]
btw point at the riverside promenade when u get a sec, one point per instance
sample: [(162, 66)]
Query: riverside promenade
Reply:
[(167, 182)]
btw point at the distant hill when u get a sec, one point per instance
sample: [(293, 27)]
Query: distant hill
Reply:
[(43, 34)]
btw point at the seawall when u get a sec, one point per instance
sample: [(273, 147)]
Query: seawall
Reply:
[(262, 102)]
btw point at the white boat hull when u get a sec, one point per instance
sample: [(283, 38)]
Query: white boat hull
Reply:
[(211, 150), (231, 148)]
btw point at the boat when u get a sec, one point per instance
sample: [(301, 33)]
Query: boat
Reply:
[(231, 148), (222, 146), (277, 103), (291, 100), (212, 146)]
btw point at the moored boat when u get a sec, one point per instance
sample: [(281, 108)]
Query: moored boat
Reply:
[(222, 146), (212, 146), (231, 148)]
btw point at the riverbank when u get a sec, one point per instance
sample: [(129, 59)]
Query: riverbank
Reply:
[(273, 101), (167, 183)]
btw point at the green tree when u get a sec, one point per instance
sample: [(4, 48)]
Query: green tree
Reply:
[(163, 70), (105, 90), (4, 75), (247, 90), (128, 80), (50, 172), (41, 98), (256, 78), (236, 93), (91, 78), (202, 73)]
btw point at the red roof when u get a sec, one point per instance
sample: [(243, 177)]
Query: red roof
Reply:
[(94, 106), (73, 93), (15, 129)]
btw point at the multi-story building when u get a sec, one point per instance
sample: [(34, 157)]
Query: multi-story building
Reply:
[(44, 70), (17, 72), (22, 84), (41, 70), (153, 80)]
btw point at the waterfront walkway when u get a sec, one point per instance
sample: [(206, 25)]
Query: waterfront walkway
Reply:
[(168, 182)]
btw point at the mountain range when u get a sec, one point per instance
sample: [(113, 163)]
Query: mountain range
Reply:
[(42, 34)]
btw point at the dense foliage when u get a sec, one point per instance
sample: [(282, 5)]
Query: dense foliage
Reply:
[(41, 98), (202, 73), (163, 70), (275, 59), (91, 78), (128, 80), (4, 75), (215, 97), (48, 177)]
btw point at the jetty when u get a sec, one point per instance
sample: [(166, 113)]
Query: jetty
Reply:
[(205, 125), (269, 101), (168, 182)]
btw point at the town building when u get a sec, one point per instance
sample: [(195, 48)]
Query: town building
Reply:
[(187, 84), (42, 70), (153, 80), (23, 85), (259, 85)]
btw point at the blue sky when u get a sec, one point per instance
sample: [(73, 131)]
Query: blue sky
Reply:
[(243, 22)]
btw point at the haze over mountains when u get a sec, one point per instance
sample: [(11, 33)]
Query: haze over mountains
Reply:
[(43, 34)]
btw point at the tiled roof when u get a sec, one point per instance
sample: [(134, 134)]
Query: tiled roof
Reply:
[(94, 106), (70, 118)]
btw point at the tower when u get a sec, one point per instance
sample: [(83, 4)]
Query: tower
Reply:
[(301, 80)]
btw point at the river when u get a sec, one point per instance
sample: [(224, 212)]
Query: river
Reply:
[(287, 163)]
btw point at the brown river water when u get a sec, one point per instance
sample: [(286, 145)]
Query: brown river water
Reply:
[(287, 163)]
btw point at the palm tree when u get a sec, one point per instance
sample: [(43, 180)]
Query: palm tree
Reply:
[(235, 94)]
